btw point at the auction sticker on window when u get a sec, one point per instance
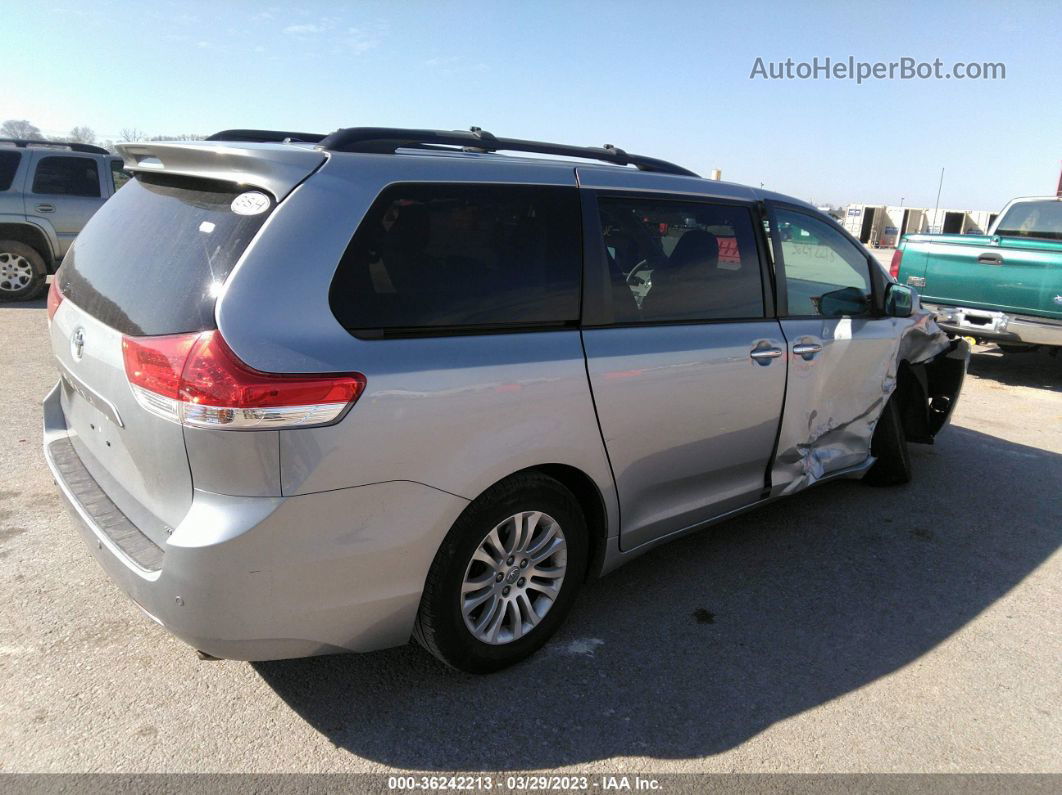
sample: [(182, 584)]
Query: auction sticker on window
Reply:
[(251, 202)]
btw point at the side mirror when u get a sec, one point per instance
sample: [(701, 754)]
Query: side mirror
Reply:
[(899, 300), (846, 301)]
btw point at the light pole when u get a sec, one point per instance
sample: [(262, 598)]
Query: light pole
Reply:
[(937, 207)]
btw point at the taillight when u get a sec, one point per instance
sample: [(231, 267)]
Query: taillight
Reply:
[(55, 297), (894, 266), (196, 379), (153, 366)]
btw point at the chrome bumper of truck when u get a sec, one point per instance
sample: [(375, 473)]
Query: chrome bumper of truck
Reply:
[(1000, 326)]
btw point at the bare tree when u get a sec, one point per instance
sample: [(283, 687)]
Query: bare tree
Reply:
[(82, 135), (180, 137), (132, 134), (20, 128)]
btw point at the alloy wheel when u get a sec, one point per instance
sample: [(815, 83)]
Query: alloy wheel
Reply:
[(16, 272), (514, 577)]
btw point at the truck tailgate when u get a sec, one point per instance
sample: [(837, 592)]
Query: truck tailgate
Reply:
[(1008, 275)]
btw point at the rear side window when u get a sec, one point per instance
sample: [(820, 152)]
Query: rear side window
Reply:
[(674, 261), (154, 257), (8, 166), (434, 258), (66, 176)]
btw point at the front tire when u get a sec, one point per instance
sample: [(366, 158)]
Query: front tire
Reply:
[(22, 271), (889, 447), (505, 576)]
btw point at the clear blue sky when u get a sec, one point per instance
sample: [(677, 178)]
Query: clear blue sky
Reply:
[(667, 79)]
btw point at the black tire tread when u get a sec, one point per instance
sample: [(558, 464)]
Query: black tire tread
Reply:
[(889, 447), (427, 627)]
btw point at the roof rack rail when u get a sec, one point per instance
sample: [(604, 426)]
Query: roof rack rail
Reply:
[(386, 140), (266, 136), (22, 143)]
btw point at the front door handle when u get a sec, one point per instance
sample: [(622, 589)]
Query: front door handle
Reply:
[(990, 259), (764, 356), (46, 208), (807, 350)]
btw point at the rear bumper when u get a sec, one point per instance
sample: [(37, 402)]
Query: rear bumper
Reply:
[(999, 326), (261, 578)]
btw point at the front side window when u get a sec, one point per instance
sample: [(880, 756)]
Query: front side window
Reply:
[(432, 258), (675, 261), (825, 274), (66, 176)]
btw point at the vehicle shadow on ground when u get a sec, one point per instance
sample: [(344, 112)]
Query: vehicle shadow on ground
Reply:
[(36, 303), (702, 644), (1037, 369)]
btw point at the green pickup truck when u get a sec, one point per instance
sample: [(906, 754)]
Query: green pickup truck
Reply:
[(1004, 287)]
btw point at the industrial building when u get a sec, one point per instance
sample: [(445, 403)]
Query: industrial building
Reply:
[(882, 226)]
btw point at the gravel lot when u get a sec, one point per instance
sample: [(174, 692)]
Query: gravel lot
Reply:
[(847, 629)]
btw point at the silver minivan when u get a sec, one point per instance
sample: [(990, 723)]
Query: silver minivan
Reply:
[(327, 393)]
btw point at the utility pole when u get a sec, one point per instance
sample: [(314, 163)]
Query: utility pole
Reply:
[(937, 207)]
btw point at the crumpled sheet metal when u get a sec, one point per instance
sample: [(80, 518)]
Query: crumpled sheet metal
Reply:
[(829, 428)]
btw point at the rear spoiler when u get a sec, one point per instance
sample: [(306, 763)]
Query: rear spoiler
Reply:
[(272, 168)]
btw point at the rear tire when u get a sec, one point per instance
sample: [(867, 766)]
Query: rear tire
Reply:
[(22, 271), (553, 522), (889, 447)]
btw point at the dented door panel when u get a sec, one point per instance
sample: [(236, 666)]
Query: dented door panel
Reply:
[(835, 397)]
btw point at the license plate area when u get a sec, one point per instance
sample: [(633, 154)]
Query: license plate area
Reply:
[(73, 385), (985, 322)]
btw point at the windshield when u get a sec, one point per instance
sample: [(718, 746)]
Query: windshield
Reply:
[(153, 259), (1041, 219)]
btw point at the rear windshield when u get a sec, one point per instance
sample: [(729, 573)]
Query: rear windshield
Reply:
[(1033, 219), (153, 259)]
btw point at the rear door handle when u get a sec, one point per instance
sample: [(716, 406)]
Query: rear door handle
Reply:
[(46, 208), (765, 355), (807, 350), (990, 259)]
